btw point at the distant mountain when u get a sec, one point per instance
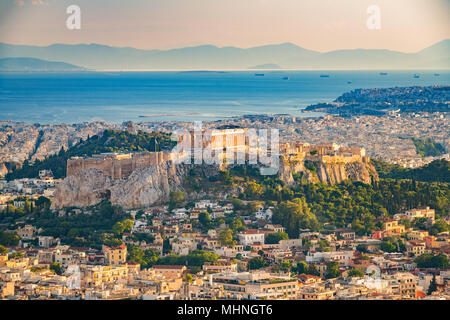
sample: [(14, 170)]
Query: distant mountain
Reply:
[(33, 64), (266, 66), (288, 55)]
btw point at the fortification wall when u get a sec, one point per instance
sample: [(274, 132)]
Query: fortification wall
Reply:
[(118, 167), (341, 159)]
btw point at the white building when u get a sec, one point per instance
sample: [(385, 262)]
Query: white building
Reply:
[(343, 257), (251, 236)]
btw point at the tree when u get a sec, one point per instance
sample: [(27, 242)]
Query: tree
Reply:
[(118, 228), (427, 260), (439, 226), (226, 238), (312, 270), (256, 263), (128, 225), (273, 238), (204, 218), (176, 197), (302, 267), (57, 267), (123, 226), (420, 223), (238, 225), (167, 247), (3, 250), (285, 266), (294, 215), (356, 273), (112, 242), (188, 278), (433, 285), (332, 270), (146, 258), (390, 244), (9, 239), (238, 204)]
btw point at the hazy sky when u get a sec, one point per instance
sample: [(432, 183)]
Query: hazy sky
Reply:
[(322, 25)]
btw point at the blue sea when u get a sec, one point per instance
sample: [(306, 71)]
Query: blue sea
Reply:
[(120, 96)]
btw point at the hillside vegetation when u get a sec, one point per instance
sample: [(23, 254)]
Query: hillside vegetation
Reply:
[(436, 171), (108, 141), (428, 148)]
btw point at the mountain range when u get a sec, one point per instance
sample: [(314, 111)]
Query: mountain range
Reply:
[(33, 64), (285, 55)]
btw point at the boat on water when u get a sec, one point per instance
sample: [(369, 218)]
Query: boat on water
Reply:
[(285, 78), (416, 76), (383, 73), (349, 82), (324, 75), (436, 74), (259, 74)]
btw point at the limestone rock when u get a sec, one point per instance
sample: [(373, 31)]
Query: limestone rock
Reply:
[(3, 170), (89, 187), (143, 188), (148, 186), (329, 173)]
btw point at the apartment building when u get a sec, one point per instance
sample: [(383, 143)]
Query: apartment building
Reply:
[(115, 256), (251, 236)]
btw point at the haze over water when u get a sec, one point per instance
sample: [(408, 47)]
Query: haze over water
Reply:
[(119, 96)]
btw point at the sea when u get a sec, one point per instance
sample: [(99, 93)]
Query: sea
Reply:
[(53, 98)]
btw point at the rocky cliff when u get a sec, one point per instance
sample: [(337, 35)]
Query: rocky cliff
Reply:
[(3, 170), (152, 185), (86, 188), (329, 173), (143, 188)]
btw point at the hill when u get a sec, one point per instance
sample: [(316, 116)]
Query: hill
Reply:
[(288, 55), (108, 141), (266, 66), (436, 171), (427, 147), (32, 64)]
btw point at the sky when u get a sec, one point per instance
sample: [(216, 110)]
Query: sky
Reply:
[(321, 25)]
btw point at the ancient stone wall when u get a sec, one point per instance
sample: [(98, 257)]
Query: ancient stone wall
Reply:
[(117, 166)]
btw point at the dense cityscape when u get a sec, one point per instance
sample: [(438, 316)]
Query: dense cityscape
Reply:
[(359, 210)]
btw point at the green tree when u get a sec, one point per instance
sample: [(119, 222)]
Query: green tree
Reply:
[(439, 226), (294, 215), (188, 278), (433, 285), (176, 197), (427, 260), (204, 218), (238, 204), (3, 250), (56, 267), (301, 267), (332, 270), (121, 227), (238, 225), (9, 239), (256, 263), (226, 238), (146, 258), (356, 273), (273, 238), (285, 266)]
